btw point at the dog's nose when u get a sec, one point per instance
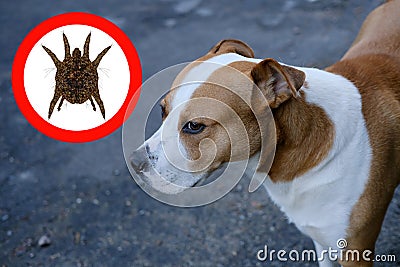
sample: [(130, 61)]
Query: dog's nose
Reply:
[(139, 160)]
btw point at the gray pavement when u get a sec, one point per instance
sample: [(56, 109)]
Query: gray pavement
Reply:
[(82, 197)]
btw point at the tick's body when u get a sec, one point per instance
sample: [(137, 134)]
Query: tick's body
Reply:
[(76, 78)]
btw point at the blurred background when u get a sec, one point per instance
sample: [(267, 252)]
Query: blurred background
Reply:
[(67, 204)]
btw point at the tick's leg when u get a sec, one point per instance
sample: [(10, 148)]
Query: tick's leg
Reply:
[(96, 97), (53, 56), (54, 102), (96, 62), (86, 47), (61, 102), (91, 102), (66, 47)]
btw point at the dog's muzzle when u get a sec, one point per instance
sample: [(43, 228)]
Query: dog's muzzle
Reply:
[(140, 161)]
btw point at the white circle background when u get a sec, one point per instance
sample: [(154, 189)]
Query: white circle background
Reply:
[(40, 71)]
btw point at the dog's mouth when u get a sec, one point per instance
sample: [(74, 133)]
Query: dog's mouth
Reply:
[(210, 177), (146, 174), (200, 182)]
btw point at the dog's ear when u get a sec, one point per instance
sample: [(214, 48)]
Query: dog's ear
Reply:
[(277, 82), (232, 46)]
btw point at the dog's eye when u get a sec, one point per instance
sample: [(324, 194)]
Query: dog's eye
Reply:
[(192, 127)]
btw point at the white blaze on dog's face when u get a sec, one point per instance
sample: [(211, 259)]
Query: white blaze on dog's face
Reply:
[(207, 119)]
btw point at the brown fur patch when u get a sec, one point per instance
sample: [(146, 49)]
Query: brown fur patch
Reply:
[(379, 33), (305, 136), (232, 46)]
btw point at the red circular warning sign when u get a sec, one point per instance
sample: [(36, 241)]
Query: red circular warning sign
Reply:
[(56, 91)]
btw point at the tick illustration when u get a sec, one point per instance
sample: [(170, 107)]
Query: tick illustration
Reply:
[(76, 77)]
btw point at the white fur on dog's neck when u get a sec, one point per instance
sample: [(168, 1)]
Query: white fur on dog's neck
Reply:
[(320, 201)]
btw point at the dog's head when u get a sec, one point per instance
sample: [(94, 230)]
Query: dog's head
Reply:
[(211, 116)]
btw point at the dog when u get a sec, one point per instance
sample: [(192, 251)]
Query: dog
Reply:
[(337, 145)]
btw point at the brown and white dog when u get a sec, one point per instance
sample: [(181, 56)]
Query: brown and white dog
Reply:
[(337, 160)]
